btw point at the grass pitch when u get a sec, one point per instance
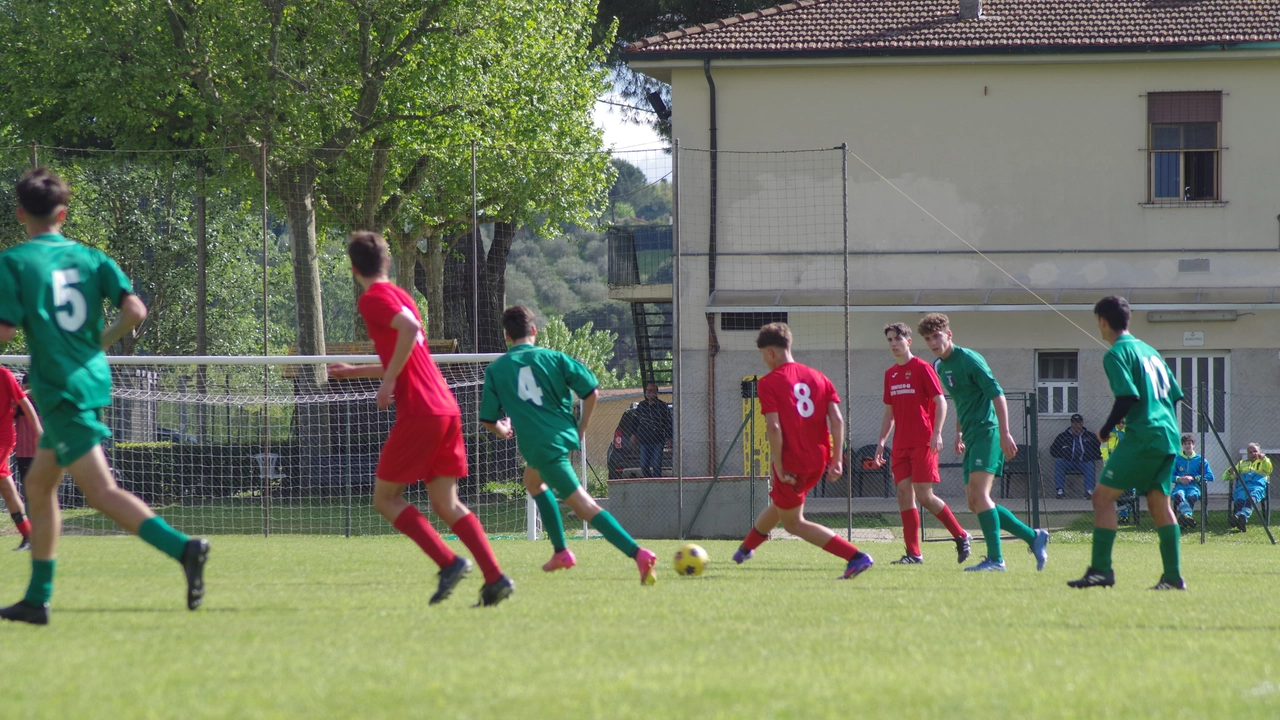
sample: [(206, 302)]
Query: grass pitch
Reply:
[(330, 627)]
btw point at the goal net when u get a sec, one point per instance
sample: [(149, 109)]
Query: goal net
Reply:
[(262, 445)]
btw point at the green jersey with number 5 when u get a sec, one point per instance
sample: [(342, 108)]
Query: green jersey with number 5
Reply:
[(1135, 369), (531, 384), (53, 288)]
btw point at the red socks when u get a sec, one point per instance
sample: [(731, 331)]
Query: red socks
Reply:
[(471, 533), (949, 520), (754, 539), (841, 548), (411, 523), (24, 527), (911, 530)]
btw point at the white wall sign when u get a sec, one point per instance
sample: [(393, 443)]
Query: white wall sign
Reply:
[(1193, 338)]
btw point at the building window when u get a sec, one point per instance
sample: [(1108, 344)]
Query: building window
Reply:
[(1058, 383), (1203, 379), (1184, 147), (749, 320)]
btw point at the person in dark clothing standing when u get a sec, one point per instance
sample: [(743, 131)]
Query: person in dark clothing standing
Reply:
[(652, 430), (1075, 450)]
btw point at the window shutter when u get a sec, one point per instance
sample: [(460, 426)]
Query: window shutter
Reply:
[(1184, 107)]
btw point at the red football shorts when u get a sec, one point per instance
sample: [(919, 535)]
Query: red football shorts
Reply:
[(919, 464), (423, 447), (6, 449), (787, 496)]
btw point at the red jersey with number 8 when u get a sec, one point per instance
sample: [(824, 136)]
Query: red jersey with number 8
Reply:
[(800, 395)]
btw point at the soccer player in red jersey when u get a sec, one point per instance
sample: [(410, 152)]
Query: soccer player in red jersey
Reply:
[(914, 410), (802, 414), (12, 397), (426, 441)]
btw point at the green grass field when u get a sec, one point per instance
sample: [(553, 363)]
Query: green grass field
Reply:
[(301, 626)]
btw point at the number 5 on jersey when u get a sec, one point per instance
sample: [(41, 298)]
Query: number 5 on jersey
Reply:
[(527, 388), (69, 319)]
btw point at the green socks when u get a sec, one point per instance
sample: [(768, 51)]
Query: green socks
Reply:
[(41, 587), (1103, 541), (1171, 551), (157, 533), (549, 511), (990, 522), (614, 533), (1017, 528)]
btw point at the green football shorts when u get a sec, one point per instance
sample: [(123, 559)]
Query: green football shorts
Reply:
[(1133, 466), (982, 453), (558, 474), (70, 432)]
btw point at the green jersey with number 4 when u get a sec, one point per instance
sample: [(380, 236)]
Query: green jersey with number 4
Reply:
[(53, 289), (1135, 369), (531, 384)]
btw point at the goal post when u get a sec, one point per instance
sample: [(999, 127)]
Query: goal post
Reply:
[(254, 445)]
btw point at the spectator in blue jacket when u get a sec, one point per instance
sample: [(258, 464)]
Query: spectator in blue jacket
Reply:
[(1187, 469)]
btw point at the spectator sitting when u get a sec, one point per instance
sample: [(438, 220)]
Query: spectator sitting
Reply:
[(1252, 475), (1187, 469), (1074, 450), (652, 429)]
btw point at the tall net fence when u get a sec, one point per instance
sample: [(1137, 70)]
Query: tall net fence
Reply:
[(253, 446)]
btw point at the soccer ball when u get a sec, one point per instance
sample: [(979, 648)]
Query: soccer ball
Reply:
[(691, 560)]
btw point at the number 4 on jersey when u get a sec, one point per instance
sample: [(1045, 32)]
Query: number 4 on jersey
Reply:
[(527, 388)]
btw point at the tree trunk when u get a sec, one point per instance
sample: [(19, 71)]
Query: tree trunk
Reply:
[(493, 284), (459, 292), (430, 282), (300, 211)]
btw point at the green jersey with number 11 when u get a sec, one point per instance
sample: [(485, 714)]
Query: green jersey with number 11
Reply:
[(53, 289), (1135, 369), (531, 384)]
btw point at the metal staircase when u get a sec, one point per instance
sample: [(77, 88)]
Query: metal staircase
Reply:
[(653, 340)]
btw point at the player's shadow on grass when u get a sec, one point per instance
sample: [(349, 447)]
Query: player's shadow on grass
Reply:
[(87, 611)]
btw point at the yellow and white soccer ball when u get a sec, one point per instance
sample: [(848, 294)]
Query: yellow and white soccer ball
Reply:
[(691, 560)]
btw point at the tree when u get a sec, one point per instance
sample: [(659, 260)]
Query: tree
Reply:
[(593, 348)]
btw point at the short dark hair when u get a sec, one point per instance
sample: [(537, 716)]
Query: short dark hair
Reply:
[(900, 328), (517, 321), (1188, 436), (933, 323), (776, 334), (41, 192), (1115, 310), (368, 253), (651, 382)]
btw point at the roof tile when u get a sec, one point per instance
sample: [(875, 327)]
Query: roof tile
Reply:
[(859, 26)]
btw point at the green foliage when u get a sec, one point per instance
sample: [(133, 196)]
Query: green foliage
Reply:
[(593, 348)]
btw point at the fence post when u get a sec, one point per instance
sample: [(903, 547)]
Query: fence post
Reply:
[(1033, 457), (1202, 396)]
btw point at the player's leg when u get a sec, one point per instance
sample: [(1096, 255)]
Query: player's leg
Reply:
[(564, 481), (794, 522), (977, 491), (766, 521), (388, 500), (552, 521), (901, 467), (41, 481), (443, 493), (17, 510), (940, 510), (1169, 533), (93, 476)]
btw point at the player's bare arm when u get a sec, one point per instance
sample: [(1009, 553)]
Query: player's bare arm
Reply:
[(7, 332), (835, 423), (773, 431), (501, 428), (408, 330), (32, 416), (935, 442), (344, 371), (132, 312), (588, 408), (1007, 443), (886, 427)]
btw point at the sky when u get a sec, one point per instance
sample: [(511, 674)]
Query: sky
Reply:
[(637, 144)]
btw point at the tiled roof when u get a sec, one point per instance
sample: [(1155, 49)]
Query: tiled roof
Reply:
[(862, 27)]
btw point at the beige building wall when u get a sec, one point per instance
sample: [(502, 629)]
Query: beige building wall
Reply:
[(1014, 154)]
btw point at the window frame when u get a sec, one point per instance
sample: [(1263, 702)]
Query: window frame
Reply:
[(1165, 109), (1048, 408), (1219, 383)]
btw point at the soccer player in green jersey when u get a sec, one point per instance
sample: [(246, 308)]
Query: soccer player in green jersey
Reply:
[(532, 385), (53, 288), (983, 438), (1145, 400)]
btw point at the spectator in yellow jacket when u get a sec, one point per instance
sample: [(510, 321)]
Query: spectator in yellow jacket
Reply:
[(1251, 477)]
